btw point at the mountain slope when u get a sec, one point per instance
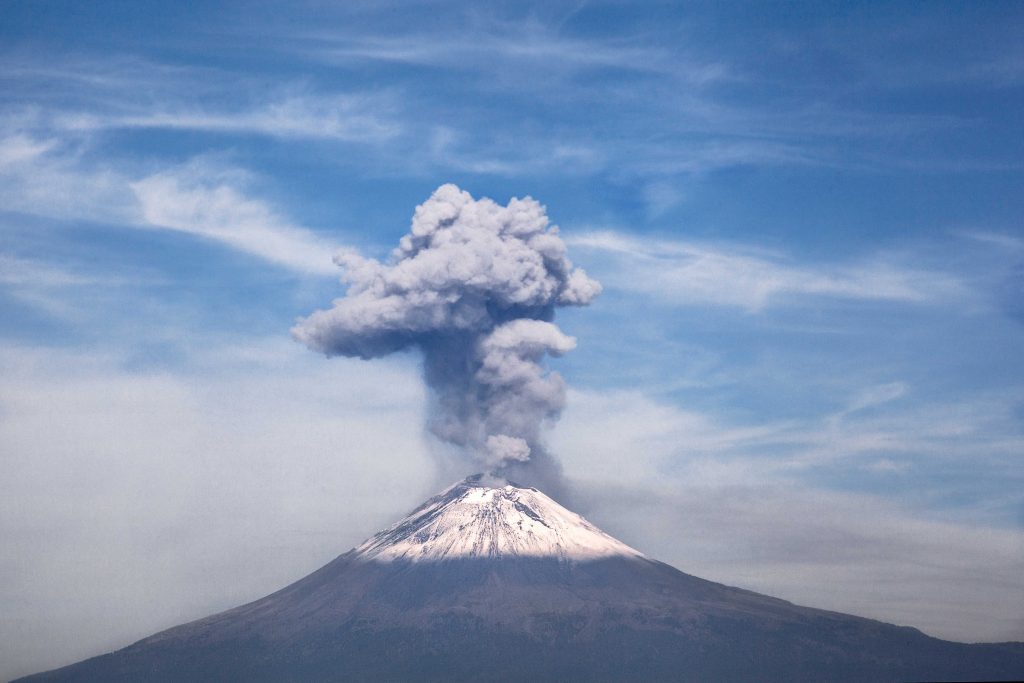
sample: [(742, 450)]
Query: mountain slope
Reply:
[(499, 582)]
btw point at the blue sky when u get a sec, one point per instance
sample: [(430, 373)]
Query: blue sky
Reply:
[(803, 376)]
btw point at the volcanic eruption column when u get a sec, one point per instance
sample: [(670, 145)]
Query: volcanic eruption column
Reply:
[(474, 285)]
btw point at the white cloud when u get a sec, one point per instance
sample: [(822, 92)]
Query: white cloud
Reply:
[(135, 500), (44, 286), (347, 118), (20, 148), (122, 93), (195, 198), (854, 553), (627, 437), (18, 271), (998, 240), (184, 199), (876, 395), (662, 437), (45, 178), (509, 46), (693, 274), (727, 503)]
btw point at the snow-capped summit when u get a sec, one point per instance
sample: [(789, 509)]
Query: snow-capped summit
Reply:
[(480, 518)]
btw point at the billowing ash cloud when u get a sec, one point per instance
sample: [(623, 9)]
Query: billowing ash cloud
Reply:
[(474, 285)]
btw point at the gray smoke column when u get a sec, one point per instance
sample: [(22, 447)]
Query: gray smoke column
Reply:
[(474, 285)]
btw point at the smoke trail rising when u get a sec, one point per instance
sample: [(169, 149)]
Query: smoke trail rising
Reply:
[(474, 285)]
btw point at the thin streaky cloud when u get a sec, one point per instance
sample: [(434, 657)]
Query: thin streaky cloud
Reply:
[(123, 93), (876, 395), (343, 118), (193, 199), (673, 447), (690, 273), (20, 148), (20, 271), (183, 201), (981, 428), (49, 289), (599, 426), (511, 43), (997, 239), (43, 177), (701, 132)]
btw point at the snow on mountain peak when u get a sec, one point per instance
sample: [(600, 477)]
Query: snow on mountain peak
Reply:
[(478, 518)]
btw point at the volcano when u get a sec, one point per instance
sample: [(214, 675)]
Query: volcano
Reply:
[(491, 581)]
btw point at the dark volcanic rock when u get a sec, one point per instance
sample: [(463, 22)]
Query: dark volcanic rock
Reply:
[(452, 609)]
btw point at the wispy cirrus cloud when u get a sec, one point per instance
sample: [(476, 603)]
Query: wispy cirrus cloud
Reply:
[(694, 274), (346, 118), (19, 148), (20, 271), (126, 93), (1008, 243), (512, 45), (688, 128), (700, 112), (44, 179), (43, 286), (747, 502), (187, 201), (875, 430), (47, 176)]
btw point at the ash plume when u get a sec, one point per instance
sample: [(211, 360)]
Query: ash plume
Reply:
[(474, 286)]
